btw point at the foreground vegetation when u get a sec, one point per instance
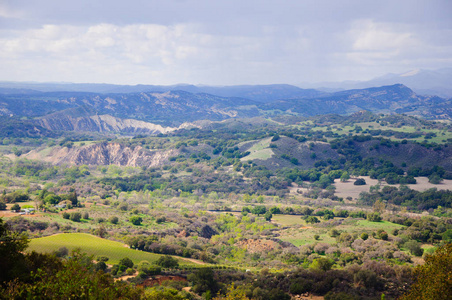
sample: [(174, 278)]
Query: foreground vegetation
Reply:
[(245, 207)]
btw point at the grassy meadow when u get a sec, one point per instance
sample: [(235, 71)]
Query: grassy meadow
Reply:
[(95, 246)]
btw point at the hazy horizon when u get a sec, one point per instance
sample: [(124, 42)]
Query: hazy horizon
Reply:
[(220, 43)]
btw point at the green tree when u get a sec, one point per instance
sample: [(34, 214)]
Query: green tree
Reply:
[(434, 278), (312, 220), (75, 216), (136, 220), (15, 207), (113, 220), (414, 247), (126, 262), (345, 177), (203, 281), (322, 263), (268, 216), (167, 261), (12, 259)]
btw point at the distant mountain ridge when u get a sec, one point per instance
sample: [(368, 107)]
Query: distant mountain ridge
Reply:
[(260, 93), (144, 112), (425, 82)]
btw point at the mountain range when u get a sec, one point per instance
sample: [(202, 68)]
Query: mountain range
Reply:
[(160, 110)]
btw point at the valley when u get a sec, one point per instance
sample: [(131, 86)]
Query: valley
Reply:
[(317, 194)]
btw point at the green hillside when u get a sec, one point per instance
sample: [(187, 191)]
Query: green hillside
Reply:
[(93, 245)]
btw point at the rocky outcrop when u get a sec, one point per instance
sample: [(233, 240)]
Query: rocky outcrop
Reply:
[(101, 123), (105, 154)]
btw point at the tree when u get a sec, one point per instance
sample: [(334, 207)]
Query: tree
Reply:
[(136, 220), (268, 216), (414, 247), (360, 181), (373, 217), (2, 205), (75, 216), (113, 220), (259, 210), (126, 262), (434, 278), (312, 220), (167, 261), (15, 207), (73, 198), (345, 177), (322, 263), (12, 259), (379, 206), (204, 281)]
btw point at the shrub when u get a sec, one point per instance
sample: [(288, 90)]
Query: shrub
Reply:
[(113, 220), (374, 217), (360, 181), (66, 215), (126, 262), (15, 207), (312, 220), (136, 220), (86, 215), (414, 248), (75, 217), (167, 262)]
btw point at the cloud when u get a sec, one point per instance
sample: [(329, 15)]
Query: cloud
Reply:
[(226, 42)]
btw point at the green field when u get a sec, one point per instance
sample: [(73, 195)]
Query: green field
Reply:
[(305, 235), (260, 150), (95, 246)]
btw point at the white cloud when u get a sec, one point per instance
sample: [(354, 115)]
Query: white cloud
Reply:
[(371, 36)]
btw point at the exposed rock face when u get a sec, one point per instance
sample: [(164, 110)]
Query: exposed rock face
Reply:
[(101, 123), (105, 154)]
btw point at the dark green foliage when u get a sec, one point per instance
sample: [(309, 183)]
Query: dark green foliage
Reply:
[(268, 216), (75, 216), (431, 198), (360, 181), (203, 281), (126, 262), (15, 207), (12, 259), (374, 217), (259, 210), (312, 219), (414, 247), (136, 220), (167, 261)]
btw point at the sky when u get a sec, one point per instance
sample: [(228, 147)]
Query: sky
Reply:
[(220, 42)]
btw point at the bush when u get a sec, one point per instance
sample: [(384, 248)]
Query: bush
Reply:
[(15, 207), (167, 262), (126, 262), (360, 181), (136, 220), (86, 215), (66, 215), (374, 217), (113, 220), (75, 217), (414, 248), (101, 266), (312, 220)]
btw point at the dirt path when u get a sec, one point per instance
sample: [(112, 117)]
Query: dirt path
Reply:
[(196, 261)]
